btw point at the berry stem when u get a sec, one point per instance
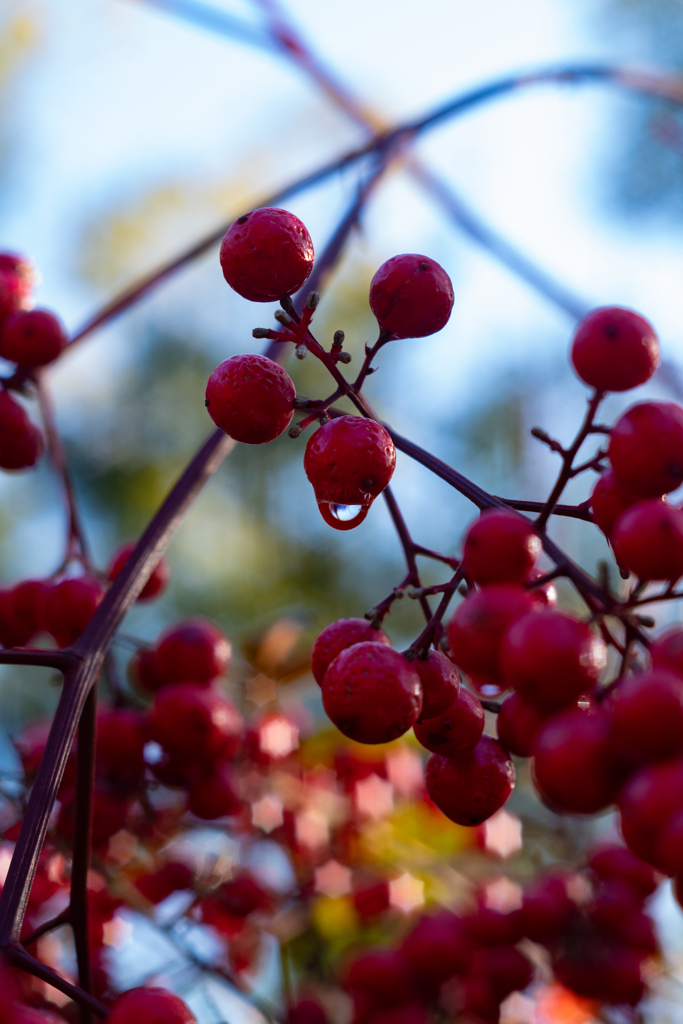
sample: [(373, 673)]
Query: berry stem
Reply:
[(80, 862), (28, 963), (568, 457)]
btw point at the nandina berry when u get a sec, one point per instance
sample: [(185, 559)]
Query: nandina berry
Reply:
[(170, 877), (476, 631), (454, 732), (436, 948), (500, 547), (32, 337), (669, 845), (440, 683), (121, 737), (614, 349), (517, 724), (505, 967), (575, 765), (243, 895), (646, 448), (151, 1005), (14, 632), (547, 909), (612, 906), (306, 1011), (251, 398), (381, 975), (647, 715), (349, 461), (489, 927), (214, 795), (336, 637), (648, 800), (471, 787), (411, 296), (70, 606), (609, 499), (159, 577), (480, 1001), (648, 540), (29, 600), (195, 722), (195, 650), (550, 658), (667, 650), (371, 897), (21, 442), (16, 282), (267, 254), (142, 671), (610, 861), (372, 693)]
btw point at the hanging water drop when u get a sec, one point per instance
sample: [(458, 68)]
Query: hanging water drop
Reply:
[(342, 517)]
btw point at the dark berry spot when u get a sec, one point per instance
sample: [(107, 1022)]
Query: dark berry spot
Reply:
[(243, 219), (424, 266)]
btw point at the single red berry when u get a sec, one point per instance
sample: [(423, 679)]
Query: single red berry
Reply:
[(476, 631), (646, 448), (142, 671), (517, 724), (70, 606), (609, 499), (151, 1005), (158, 580), (349, 461), (336, 637), (648, 800), (21, 443), (648, 540), (647, 715), (437, 947), (667, 650), (505, 967), (471, 787), (32, 337), (16, 282), (195, 722), (29, 600), (195, 650), (612, 906), (500, 547), (575, 768), (214, 795), (550, 658), (170, 877), (440, 684), (480, 1001), (372, 693), (614, 349), (243, 895), (251, 398), (371, 898), (456, 731), (411, 296), (611, 861), (380, 975), (306, 1011), (547, 909), (121, 737), (267, 254), (14, 631)]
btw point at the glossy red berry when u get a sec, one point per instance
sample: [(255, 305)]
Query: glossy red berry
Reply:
[(517, 724), (121, 737), (440, 683), (667, 650), (195, 722), (267, 254), (372, 693), (437, 947), (21, 442), (215, 794), (500, 547), (646, 448), (70, 606), (611, 861), (575, 767), (32, 337), (650, 798), (142, 671), (648, 540), (170, 877), (251, 398), (158, 580), (647, 715), (454, 732), (614, 349), (476, 631), (14, 631), (411, 296), (609, 499), (151, 1005), (192, 651), (471, 787), (547, 909), (336, 637), (349, 461), (29, 600)]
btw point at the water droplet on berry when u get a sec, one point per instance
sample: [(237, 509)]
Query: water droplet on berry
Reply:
[(342, 517)]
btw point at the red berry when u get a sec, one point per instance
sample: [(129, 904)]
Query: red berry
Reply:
[(550, 658), (16, 282), (440, 683), (480, 1000), (243, 895), (251, 398), (158, 580), (647, 801), (411, 296), (575, 767), (171, 877), (471, 787), (14, 631), (306, 1011), (372, 693), (151, 1005), (437, 947), (195, 722), (647, 715), (380, 975), (646, 448), (349, 461), (371, 898), (267, 254), (70, 606), (32, 337), (489, 927), (142, 671), (121, 736), (456, 731), (612, 861), (21, 443), (505, 967), (610, 909), (609, 499), (517, 724), (29, 600), (336, 637), (476, 631), (213, 795), (667, 650), (500, 547), (614, 349), (648, 540), (546, 909), (195, 650)]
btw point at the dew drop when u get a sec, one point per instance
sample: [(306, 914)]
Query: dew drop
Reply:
[(342, 517)]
